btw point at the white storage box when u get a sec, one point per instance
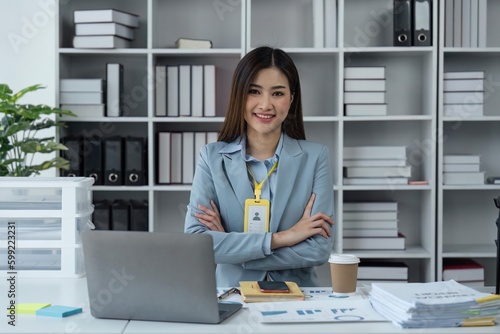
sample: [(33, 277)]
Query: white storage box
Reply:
[(45, 217)]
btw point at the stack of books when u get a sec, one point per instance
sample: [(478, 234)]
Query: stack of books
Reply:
[(463, 94), (465, 23), (84, 97), (185, 90), (178, 154), (465, 271), (371, 225), (364, 91), (434, 304), (365, 165), (104, 28), (376, 271), (462, 169)]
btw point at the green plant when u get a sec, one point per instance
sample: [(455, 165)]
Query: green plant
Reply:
[(19, 126)]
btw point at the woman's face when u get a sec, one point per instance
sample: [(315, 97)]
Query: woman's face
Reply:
[(268, 101)]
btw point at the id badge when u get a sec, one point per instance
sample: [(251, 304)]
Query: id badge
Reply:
[(257, 215)]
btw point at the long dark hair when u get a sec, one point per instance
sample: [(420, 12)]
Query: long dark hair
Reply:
[(262, 58)]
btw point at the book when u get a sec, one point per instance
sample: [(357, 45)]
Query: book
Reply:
[(164, 149), (187, 157), (364, 72), (379, 109), (193, 43), (98, 42), (370, 206), (81, 85), (160, 90), (382, 270), (81, 97), (461, 168), (458, 178), (370, 215), (464, 75), (184, 90), (364, 85), (375, 180), (379, 243), (172, 90), (375, 152), (462, 270), (251, 293), (461, 159), (463, 97), (463, 110), (197, 90), (85, 110), (371, 224), (369, 232), (114, 89), (404, 171), (110, 28), (463, 85), (175, 157), (209, 97), (106, 15), (364, 97), (374, 163)]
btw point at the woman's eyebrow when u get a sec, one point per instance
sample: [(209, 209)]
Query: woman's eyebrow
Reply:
[(273, 87)]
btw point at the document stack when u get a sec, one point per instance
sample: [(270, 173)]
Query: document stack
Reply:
[(368, 165), (43, 218), (364, 91), (465, 23), (463, 94), (371, 225), (462, 169), (434, 304), (185, 90), (465, 271), (84, 97), (104, 28)]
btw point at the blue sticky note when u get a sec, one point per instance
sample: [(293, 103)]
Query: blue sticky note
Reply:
[(58, 311)]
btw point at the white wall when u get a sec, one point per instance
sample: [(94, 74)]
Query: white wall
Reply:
[(28, 50)]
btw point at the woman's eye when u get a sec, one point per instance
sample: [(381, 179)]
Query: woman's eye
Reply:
[(278, 93), (253, 91)]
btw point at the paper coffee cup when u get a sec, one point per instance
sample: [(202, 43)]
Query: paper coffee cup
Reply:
[(344, 272)]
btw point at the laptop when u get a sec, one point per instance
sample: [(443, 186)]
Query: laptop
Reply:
[(153, 276)]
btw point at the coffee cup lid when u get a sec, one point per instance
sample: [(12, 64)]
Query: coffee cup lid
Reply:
[(343, 258)]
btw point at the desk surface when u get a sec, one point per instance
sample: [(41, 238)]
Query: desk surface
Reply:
[(73, 292)]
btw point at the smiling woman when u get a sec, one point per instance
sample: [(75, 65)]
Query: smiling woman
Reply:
[(263, 192)]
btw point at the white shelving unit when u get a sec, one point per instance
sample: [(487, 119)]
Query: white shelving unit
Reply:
[(466, 213), (363, 37)]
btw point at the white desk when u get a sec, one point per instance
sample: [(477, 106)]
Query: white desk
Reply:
[(73, 292)]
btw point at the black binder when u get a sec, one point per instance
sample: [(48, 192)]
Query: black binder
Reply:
[(101, 217), (139, 215), (135, 161), (422, 22), (74, 155), (120, 218), (113, 165), (402, 23), (92, 159)]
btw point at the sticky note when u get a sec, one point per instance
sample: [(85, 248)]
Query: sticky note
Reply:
[(58, 311), (27, 308)]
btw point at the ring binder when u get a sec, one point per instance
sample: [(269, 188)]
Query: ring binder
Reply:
[(422, 22), (402, 23)]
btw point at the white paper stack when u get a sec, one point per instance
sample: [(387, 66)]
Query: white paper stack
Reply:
[(463, 94), (462, 169), (434, 304), (364, 91), (365, 165), (84, 97)]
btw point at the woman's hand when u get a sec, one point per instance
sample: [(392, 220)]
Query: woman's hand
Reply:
[(306, 227), (210, 218)]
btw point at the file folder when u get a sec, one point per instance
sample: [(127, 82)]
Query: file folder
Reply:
[(422, 20), (113, 173), (92, 159), (139, 215), (135, 161), (74, 155), (402, 23), (101, 217), (120, 218)]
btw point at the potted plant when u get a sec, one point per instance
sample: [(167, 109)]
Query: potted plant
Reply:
[(19, 126)]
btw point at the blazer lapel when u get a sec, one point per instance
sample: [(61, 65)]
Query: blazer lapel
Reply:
[(288, 170), (236, 172)]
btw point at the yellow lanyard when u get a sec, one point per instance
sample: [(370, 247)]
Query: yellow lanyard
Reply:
[(258, 186)]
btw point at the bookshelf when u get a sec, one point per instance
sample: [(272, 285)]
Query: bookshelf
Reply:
[(466, 213), (358, 33)]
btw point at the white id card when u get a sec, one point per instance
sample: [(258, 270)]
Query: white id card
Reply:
[(257, 215)]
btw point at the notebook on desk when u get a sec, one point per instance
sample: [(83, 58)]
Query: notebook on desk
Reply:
[(153, 276)]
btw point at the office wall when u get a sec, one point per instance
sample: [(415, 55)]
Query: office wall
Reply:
[(28, 50)]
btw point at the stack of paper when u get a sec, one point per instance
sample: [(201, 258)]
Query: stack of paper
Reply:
[(435, 304)]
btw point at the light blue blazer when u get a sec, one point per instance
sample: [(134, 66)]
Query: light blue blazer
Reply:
[(221, 175)]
